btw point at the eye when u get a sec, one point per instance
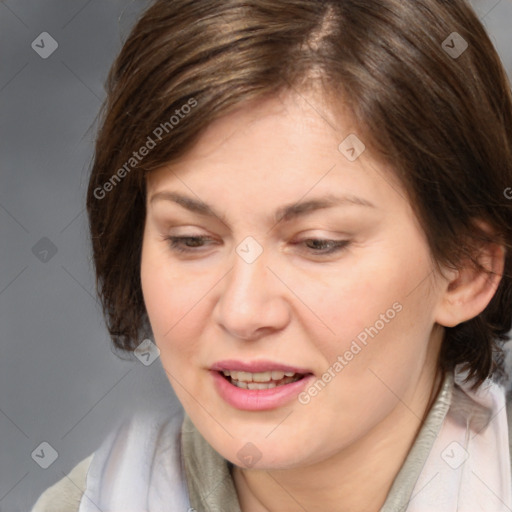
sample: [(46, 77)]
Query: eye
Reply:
[(187, 243), (317, 246), (321, 246)]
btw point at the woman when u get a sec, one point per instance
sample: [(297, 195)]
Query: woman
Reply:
[(303, 205)]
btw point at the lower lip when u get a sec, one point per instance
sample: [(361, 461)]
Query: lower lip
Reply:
[(258, 399)]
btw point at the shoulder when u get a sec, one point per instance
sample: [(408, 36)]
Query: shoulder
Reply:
[(150, 439), (66, 494)]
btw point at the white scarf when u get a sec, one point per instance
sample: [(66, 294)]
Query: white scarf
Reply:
[(138, 467), (468, 468)]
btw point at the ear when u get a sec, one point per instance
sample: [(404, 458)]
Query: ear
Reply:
[(468, 290)]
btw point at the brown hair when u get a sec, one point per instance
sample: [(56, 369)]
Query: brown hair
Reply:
[(442, 121)]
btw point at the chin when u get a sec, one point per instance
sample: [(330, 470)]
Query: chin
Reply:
[(266, 455)]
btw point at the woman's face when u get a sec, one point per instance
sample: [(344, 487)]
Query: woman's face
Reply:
[(272, 253)]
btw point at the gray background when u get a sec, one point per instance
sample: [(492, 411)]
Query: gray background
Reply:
[(59, 381)]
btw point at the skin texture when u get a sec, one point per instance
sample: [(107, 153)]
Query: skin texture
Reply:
[(295, 306)]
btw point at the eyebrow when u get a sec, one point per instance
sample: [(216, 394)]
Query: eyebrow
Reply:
[(284, 213)]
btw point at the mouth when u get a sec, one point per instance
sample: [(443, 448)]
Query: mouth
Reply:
[(261, 380), (258, 385)]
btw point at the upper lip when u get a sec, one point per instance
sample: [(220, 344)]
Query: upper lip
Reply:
[(256, 366)]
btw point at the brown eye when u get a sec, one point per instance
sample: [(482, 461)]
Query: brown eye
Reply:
[(322, 246), (186, 243)]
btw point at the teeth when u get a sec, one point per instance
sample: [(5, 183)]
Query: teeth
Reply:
[(259, 385), (266, 377), (244, 376), (263, 385), (261, 376)]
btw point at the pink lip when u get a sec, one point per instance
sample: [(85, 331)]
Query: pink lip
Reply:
[(257, 399), (256, 366)]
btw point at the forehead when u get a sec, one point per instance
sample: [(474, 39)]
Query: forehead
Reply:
[(280, 122), (277, 150)]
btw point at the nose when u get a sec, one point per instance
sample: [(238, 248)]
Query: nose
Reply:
[(252, 301)]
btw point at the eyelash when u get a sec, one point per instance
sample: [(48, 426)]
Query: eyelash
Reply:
[(175, 243)]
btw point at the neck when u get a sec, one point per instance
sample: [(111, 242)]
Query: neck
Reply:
[(343, 478)]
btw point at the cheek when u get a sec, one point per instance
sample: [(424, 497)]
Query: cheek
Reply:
[(379, 316), (172, 304), (370, 293), (383, 340)]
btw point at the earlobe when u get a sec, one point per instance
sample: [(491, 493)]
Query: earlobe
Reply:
[(468, 291)]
